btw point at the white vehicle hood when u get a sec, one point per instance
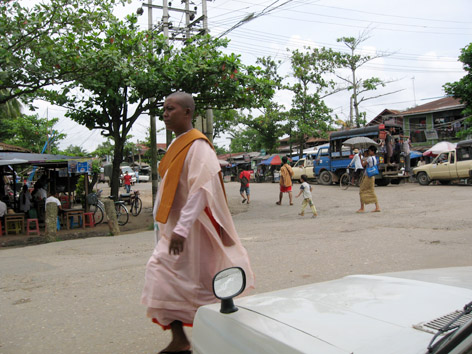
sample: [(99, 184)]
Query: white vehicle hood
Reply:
[(355, 314)]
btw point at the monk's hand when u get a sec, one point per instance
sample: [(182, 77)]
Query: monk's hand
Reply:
[(176, 245)]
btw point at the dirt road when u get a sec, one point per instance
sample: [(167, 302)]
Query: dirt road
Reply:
[(82, 296)]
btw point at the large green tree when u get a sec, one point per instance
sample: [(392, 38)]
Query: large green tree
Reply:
[(309, 115), (269, 127), (32, 132), (462, 89), (133, 66), (35, 50)]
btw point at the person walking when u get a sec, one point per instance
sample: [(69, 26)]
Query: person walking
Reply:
[(366, 189), (306, 189), (196, 234), (285, 181), (127, 182), (244, 178)]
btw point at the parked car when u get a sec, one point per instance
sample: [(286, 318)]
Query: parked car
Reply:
[(447, 166), (422, 311), (304, 166), (144, 175)]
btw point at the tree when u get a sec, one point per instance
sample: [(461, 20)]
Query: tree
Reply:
[(359, 86), (34, 43), (245, 140), (10, 109), (462, 89), (309, 115), (269, 127), (74, 150), (104, 149), (132, 66), (32, 132)]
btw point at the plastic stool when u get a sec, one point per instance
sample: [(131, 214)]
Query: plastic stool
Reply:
[(88, 220), (35, 229), (74, 224)]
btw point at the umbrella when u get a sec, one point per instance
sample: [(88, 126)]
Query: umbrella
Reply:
[(439, 147), (359, 142), (273, 160)]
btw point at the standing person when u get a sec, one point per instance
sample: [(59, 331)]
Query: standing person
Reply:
[(25, 199), (197, 237), (127, 182), (397, 149), (356, 161), (389, 145), (136, 173), (405, 147), (305, 188), (285, 181), (244, 178), (366, 189)]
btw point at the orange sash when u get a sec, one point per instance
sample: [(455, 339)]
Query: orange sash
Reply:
[(172, 163)]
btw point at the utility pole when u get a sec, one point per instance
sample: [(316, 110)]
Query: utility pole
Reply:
[(208, 131)]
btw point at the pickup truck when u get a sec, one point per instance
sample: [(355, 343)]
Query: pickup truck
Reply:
[(303, 166), (447, 166)]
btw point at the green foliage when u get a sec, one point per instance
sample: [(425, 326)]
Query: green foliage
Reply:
[(245, 141), (269, 127), (31, 132), (309, 115), (74, 150), (462, 89), (35, 50), (104, 149)]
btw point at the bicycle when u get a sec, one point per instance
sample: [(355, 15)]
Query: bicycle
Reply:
[(347, 179), (97, 208), (136, 203)]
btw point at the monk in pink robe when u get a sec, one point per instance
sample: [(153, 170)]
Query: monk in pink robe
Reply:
[(197, 237)]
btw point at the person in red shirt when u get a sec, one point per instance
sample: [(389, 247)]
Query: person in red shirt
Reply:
[(244, 178), (127, 182)]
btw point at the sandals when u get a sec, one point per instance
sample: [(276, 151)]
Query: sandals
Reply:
[(278, 203)]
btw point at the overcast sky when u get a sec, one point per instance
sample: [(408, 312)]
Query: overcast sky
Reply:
[(422, 38)]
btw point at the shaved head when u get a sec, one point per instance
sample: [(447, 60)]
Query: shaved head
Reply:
[(184, 99)]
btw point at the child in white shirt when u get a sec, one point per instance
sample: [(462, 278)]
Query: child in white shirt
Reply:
[(305, 188)]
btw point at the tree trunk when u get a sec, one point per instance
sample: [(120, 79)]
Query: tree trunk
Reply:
[(117, 159)]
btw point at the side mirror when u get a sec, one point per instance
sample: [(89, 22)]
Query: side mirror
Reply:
[(228, 284)]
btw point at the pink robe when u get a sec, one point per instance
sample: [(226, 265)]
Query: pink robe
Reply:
[(176, 285)]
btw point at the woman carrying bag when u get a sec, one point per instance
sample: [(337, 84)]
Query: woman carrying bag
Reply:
[(366, 190)]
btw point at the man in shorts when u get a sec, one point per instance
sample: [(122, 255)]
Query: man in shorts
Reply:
[(285, 182)]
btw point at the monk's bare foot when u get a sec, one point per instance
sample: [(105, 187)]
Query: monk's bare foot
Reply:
[(360, 211), (376, 211)]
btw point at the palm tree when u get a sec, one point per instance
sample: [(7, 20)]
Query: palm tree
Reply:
[(10, 109)]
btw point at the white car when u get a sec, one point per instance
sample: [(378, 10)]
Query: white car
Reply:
[(362, 314)]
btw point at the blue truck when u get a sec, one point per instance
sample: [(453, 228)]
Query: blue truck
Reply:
[(332, 161)]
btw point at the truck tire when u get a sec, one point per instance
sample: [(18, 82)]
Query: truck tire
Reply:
[(382, 182), (395, 181), (326, 178), (423, 178)]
